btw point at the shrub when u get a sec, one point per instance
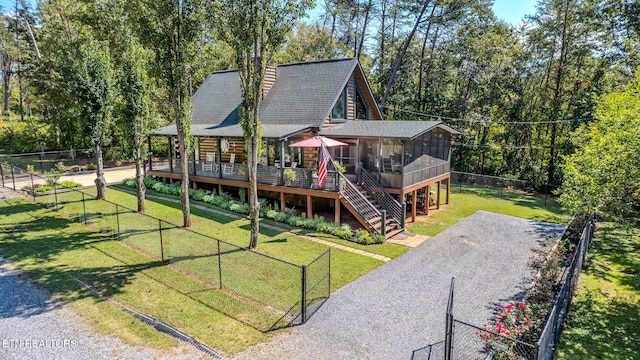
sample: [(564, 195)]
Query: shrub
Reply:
[(91, 166), (197, 195), (43, 188), (208, 198), (264, 206), (68, 184), (131, 182), (242, 194)]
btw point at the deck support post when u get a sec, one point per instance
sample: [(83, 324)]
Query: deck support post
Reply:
[(448, 189), (414, 205), (282, 205), (427, 199), (336, 205), (438, 196), (309, 207)]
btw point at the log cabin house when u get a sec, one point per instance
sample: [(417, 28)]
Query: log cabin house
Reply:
[(389, 166)]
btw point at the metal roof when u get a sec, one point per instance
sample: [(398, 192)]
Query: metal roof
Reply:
[(391, 129)]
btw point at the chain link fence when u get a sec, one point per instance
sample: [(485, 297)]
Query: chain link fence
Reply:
[(469, 342), (266, 293), (74, 160)]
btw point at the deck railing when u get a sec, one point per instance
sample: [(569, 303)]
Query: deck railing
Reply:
[(417, 176), (302, 178)]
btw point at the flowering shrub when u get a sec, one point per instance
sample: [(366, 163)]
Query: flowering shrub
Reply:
[(525, 320), (513, 321)]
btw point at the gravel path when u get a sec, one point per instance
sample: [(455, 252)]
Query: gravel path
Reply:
[(400, 307), (35, 326)]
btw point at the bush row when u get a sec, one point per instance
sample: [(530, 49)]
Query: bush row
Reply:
[(289, 216), (40, 188)]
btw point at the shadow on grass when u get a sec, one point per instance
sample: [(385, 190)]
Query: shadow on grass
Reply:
[(608, 330), (48, 248)]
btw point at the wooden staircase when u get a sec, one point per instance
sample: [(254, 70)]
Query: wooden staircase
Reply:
[(368, 212)]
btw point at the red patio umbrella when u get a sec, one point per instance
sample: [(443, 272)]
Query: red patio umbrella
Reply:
[(316, 141)]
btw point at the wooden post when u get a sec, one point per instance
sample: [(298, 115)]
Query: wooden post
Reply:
[(448, 189), (282, 205), (219, 189), (427, 199), (438, 197), (309, 208), (336, 205), (414, 204)]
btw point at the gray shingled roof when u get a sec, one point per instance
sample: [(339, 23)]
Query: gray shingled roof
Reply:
[(301, 98), (391, 129), (282, 131)]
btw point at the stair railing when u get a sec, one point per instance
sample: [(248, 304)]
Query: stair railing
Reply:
[(382, 197), (359, 202)]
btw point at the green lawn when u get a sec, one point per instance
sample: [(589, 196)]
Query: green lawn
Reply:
[(466, 200), (387, 249), (604, 320), (275, 284), (50, 250)]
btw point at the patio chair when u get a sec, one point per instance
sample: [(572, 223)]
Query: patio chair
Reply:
[(395, 165), (386, 164), (208, 164), (227, 168)]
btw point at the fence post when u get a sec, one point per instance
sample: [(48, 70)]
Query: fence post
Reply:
[(384, 222), (13, 179), (33, 191), (118, 221), (304, 294), (55, 195), (2, 174), (448, 340), (219, 264), (41, 159), (161, 245), (84, 209)]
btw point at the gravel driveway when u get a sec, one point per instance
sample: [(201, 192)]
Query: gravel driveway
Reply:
[(35, 326), (399, 308)]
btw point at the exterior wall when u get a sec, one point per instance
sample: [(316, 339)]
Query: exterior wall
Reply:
[(236, 146), (351, 98)]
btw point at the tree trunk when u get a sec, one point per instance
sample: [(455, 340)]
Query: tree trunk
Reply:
[(557, 93), (20, 92), (140, 188), (364, 28), (422, 52), (403, 52), (184, 168), (6, 77), (100, 181), (252, 162)]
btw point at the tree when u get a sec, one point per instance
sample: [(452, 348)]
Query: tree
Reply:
[(135, 108), (173, 28), (254, 30), (93, 87), (603, 174)]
